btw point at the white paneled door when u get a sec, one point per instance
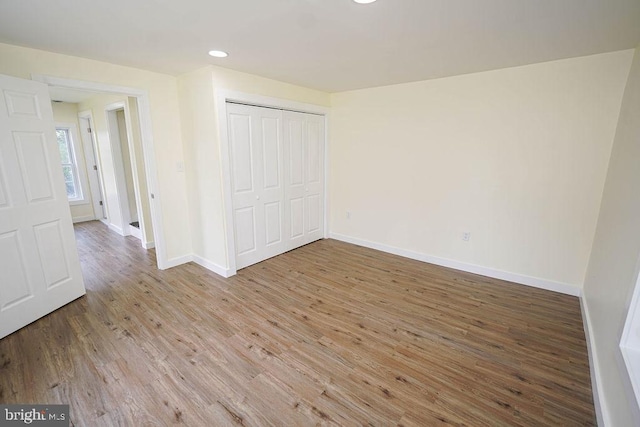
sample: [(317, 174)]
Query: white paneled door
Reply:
[(39, 265), (277, 179), (304, 177), (255, 139)]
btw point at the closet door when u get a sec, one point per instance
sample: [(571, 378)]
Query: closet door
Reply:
[(304, 178), (256, 149)]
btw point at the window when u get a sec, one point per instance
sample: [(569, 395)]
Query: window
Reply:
[(69, 164)]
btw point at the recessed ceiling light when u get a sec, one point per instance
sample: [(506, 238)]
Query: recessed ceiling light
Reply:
[(218, 53), (364, 1)]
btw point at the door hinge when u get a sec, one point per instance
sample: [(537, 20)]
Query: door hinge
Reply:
[(95, 167), (100, 202), (89, 130)]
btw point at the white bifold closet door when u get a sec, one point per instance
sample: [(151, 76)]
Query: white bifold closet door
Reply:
[(277, 180)]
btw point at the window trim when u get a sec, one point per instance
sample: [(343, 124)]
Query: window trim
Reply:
[(77, 164)]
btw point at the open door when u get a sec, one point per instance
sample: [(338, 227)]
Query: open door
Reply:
[(39, 264)]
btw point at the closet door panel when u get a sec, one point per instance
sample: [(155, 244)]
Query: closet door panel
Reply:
[(272, 190), (314, 178), (277, 177), (255, 146)]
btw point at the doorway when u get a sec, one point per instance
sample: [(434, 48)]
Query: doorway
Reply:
[(129, 183), (108, 158), (108, 154), (85, 120)]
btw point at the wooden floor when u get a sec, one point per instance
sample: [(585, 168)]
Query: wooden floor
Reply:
[(329, 334)]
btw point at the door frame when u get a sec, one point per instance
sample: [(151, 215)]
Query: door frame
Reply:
[(223, 96), (119, 165), (629, 343), (148, 150), (91, 158), (117, 156)]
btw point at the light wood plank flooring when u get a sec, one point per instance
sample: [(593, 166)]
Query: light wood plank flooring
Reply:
[(328, 334)]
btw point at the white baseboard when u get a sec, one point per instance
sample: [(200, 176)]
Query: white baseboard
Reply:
[(148, 245), (83, 218), (174, 262), (602, 414), (135, 232), (116, 229), (211, 266), (535, 282)]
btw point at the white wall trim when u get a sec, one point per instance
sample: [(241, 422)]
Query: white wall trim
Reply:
[(148, 245), (602, 414), (211, 266), (135, 232), (221, 97), (130, 124), (630, 349), (116, 229), (267, 101), (326, 174), (117, 163), (148, 149), (174, 262), (522, 279), (83, 218)]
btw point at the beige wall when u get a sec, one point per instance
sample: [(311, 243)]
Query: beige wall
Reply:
[(202, 162), (202, 148), (517, 157), (614, 264), (65, 112), (165, 117)]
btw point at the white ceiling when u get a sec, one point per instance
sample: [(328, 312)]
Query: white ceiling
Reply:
[(331, 45)]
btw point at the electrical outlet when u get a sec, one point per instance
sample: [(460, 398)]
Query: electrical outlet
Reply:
[(466, 236), (348, 214)]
